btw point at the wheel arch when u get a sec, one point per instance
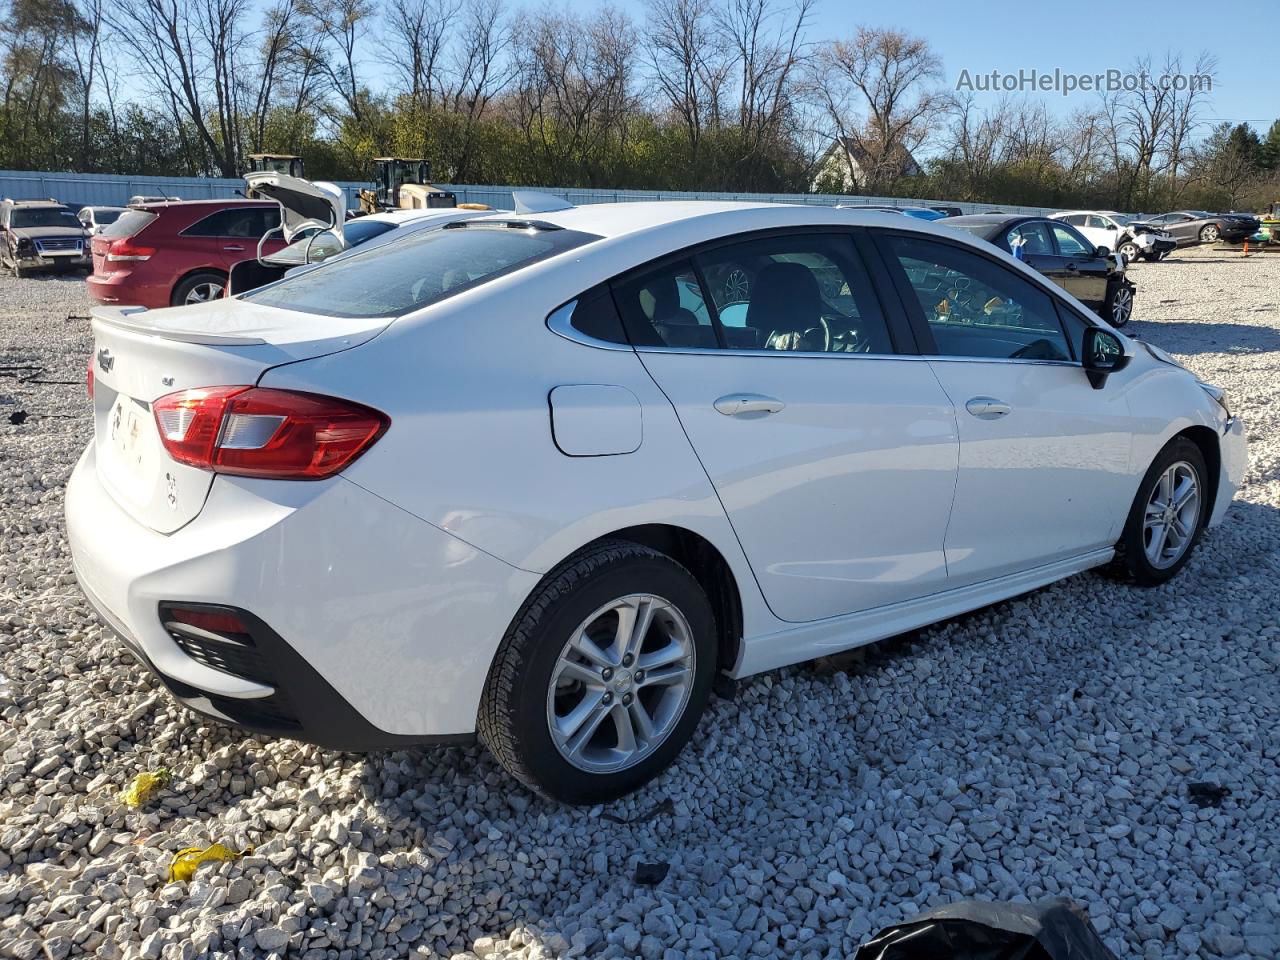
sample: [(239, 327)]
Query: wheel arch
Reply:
[(709, 567), (1206, 439), (187, 275)]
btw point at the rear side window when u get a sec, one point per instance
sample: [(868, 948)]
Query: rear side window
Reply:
[(397, 278), (249, 222), (128, 223)]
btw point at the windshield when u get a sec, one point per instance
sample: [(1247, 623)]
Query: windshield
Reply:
[(43, 217), (397, 278)]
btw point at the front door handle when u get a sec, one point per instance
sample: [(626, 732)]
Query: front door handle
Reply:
[(738, 404), (987, 408), (236, 248)]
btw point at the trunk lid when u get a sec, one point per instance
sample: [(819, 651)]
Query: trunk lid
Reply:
[(303, 203), (141, 355)]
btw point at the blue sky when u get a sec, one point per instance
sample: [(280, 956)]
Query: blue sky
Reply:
[(1080, 36)]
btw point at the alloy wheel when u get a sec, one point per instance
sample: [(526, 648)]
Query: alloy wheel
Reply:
[(1121, 306), (621, 683), (203, 292), (1172, 515), (1209, 234)]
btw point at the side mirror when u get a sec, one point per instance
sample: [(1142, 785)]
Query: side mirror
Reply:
[(1102, 251), (1103, 355)]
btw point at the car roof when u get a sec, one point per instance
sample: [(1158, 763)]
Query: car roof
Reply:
[(615, 220), (188, 204), (36, 204)]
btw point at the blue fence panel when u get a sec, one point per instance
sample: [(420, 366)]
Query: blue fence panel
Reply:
[(84, 189)]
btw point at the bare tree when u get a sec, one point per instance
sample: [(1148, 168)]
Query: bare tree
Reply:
[(415, 48), (689, 68), (480, 72), (573, 85), (190, 52), (876, 93), (766, 41), (340, 25)]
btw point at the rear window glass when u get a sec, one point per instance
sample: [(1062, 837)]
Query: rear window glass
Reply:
[(128, 223), (106, 216), (396, 278)]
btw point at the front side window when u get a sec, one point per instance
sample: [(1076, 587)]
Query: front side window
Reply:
[(1076, 219), (977, 308), (1070, 243), (1100, 223), (397, 278)]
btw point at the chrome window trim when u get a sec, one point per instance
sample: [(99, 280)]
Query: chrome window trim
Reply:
[(840, 355), (559, 322)]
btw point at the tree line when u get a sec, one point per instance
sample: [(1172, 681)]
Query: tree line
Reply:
[(698, 95)]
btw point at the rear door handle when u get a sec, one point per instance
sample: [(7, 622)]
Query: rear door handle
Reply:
[(987, 408), (737, 404)]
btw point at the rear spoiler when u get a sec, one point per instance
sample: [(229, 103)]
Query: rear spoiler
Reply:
[(139, 320)]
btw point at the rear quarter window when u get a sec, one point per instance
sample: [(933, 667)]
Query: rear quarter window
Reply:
[(397, 278)]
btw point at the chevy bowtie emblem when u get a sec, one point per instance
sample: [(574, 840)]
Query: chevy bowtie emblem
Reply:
[(105, 360)]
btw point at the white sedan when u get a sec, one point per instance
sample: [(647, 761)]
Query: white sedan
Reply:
[(541, 477)]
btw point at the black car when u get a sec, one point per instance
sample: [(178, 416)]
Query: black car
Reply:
[(1090, 274), (35, 234), (1191, 227)]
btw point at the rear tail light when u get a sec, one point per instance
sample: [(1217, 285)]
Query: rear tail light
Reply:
[(257, 432), (126, 249)]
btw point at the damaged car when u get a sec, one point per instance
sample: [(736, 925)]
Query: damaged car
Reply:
[(41, 235)]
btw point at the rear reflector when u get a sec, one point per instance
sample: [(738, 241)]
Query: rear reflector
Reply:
[(88, 377), (258, 432), (214, 621)]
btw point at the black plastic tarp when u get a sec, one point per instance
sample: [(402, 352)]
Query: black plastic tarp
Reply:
[(1057, 929)]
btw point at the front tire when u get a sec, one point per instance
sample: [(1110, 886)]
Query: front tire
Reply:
[(602, 676), (1118, 308), (1208, 234), (1130, 251), (1167, 517)]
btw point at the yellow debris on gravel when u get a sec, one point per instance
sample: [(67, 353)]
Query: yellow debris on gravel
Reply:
[(144, 787), (185, 861)]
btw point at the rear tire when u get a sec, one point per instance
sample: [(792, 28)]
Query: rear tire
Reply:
[(199, 288), (1155, 518), (541, 681)]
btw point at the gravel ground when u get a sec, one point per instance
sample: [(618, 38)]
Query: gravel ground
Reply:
[(1042, 746)]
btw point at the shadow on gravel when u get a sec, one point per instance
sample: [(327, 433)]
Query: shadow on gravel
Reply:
[(903, 774), (1192, 337)]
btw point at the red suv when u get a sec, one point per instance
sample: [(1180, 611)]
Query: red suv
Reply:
[(170, 254)]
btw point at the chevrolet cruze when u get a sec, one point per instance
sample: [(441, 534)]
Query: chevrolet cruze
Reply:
[(543, 477)]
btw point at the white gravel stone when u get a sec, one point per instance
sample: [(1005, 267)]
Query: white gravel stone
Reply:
[(1039, 747)]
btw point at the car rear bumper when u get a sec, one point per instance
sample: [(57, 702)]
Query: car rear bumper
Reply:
[(373, 628), (124, 287)]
